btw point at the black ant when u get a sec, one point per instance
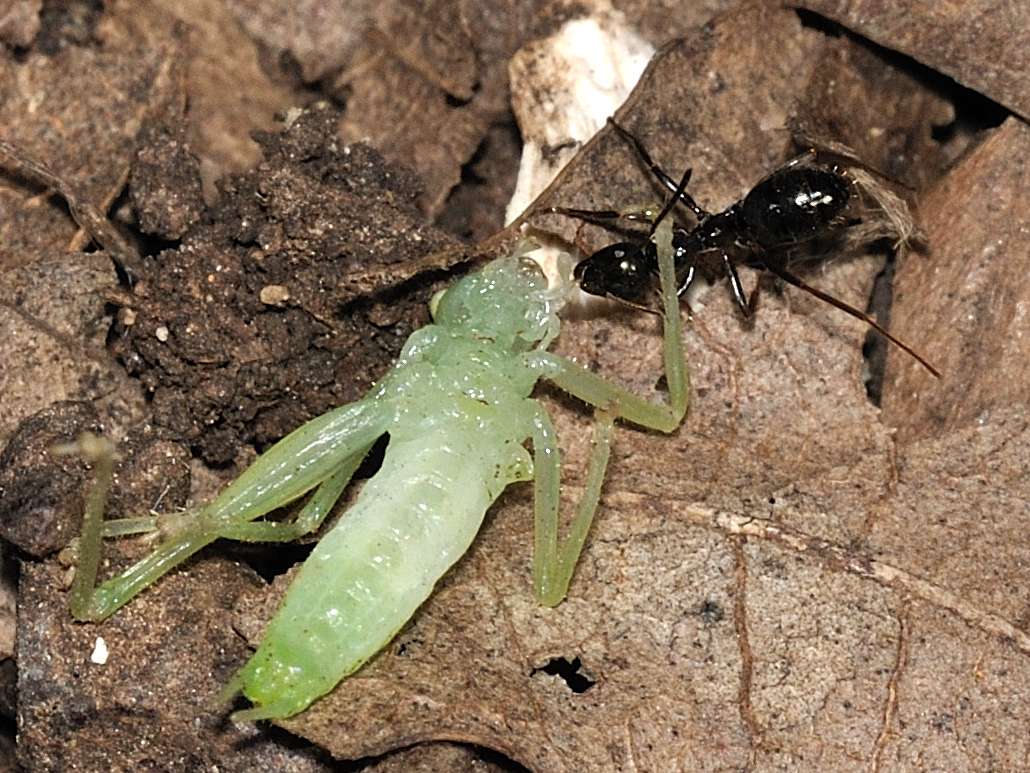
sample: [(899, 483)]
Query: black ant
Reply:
[(803, 204)]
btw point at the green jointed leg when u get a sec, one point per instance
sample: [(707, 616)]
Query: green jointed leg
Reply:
[(321, 454), (127, 527), (100, 452), (318, 506), (595, 390), (475, 366), (554, 560)]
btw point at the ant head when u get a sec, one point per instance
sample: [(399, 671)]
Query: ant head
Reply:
[(622, 271)]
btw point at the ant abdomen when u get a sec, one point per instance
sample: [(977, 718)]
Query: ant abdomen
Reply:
[(793, 205)]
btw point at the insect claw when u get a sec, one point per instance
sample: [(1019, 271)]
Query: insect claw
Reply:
[(228, 693)]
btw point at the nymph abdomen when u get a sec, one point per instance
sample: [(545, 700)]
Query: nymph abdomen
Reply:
[(367, 577)]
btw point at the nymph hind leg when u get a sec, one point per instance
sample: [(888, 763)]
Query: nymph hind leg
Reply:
[(623, 404), (320, 455), (555, 560)]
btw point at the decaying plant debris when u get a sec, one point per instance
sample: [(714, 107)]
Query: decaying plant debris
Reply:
[(796, 578)]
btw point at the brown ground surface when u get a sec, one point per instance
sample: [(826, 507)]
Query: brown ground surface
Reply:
[(798, 578)]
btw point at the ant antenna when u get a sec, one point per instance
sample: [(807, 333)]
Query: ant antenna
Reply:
[(680, 189), (788, 277), (656, 170), (633, 305)]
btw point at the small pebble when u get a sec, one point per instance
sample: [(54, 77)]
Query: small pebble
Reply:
[(100, 653), (274, 295)]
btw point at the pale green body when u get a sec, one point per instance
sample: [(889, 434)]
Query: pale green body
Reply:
[(367, 577), (458, 413)]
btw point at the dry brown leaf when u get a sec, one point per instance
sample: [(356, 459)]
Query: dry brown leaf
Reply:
[(229, 93), (53, 328), (19, 21), (969, 293), (426, 83), (441, 758), (148, 705), (319, 37), (982, 44), (52, 107), (426, 87), (734, 606), (775, 585)]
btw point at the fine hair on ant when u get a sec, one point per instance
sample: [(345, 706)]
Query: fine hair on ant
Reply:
[(821, 201)]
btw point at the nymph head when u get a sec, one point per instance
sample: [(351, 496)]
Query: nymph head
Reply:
[(509, 302)]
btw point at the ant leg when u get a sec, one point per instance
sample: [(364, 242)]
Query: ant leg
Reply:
[(645, 214), (753, 298), (756, 294), (688, 280), (681, 291), (736, 286), (789, 278), (642, 215), (632, 305), (656, 170), (642, 153)]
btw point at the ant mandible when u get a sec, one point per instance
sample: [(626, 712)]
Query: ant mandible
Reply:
[(802, 204)]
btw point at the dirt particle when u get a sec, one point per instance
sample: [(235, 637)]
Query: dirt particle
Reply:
[(274, 295)]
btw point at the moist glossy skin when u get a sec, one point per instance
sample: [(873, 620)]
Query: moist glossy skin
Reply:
[(789, 207), (458, 412), (624, 270)]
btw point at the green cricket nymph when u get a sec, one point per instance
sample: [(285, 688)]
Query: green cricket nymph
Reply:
[(458, 411)]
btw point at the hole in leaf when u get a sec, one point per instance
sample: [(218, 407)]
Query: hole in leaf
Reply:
[(569, 671), (711, 612)]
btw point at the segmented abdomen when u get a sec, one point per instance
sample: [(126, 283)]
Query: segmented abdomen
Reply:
[(366, 578)]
